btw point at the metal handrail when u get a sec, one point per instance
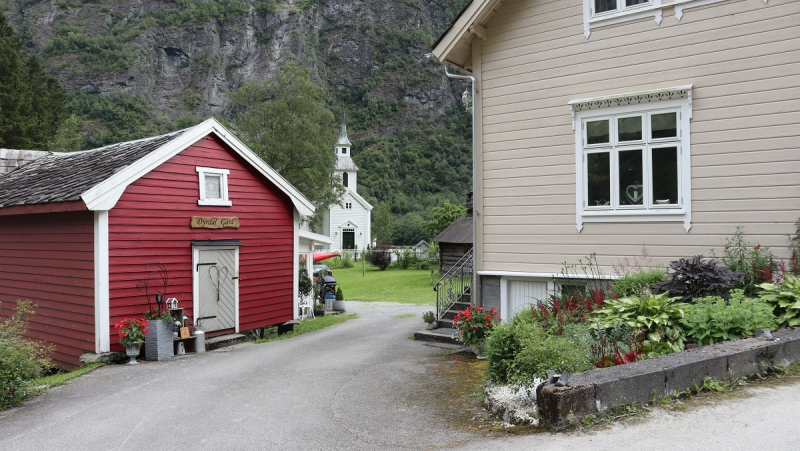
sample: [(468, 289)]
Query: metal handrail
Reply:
[(453, 284)]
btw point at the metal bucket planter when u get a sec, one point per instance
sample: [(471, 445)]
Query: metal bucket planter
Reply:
[(158, 343)]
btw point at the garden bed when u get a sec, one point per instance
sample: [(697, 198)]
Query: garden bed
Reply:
[(641, 382)]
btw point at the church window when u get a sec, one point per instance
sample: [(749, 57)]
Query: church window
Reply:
[(344, 179)]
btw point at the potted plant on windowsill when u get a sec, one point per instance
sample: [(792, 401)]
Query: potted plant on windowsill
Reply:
[(132, 335)]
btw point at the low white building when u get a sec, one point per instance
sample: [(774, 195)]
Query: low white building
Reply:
[(348, 223)]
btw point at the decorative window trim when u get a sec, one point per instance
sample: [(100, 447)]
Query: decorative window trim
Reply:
[(677, 98), (655, 10), (223, 173)]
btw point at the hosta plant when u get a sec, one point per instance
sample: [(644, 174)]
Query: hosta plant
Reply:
[(475, 323), (785, 300), (657, 317)]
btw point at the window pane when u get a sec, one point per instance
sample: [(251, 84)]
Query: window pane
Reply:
[(597, 132), (213, 186), (665, 176), (630, 178), (664, 125), (604, 5), (635, 2), (598, 169), (629, 128)]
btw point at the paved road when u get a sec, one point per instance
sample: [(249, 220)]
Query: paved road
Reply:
[(361, 385)]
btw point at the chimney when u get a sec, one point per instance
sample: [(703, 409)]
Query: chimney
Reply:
[(11, 159)]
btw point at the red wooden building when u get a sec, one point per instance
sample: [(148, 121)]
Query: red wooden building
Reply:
[(78, 230)]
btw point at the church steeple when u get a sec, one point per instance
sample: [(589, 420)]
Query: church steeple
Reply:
[(343, 141)]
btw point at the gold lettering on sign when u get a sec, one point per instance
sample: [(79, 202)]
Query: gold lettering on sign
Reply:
[(214, 222)]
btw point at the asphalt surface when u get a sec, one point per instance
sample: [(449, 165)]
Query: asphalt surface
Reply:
[(360, 385)]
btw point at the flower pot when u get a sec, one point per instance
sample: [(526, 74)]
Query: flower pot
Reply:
[(319, 312), (338, 306), (158, 343), (132, 352)]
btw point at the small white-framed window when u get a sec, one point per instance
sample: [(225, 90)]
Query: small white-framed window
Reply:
[(213, 185), (633, 157), (600, 7)]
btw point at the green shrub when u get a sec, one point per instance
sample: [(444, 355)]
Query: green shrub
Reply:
[(380, 256), (785, 300), (21, 359), (657, 317), (345, 260), (637, 282), (712, 320), (523, 349), (339, 296)]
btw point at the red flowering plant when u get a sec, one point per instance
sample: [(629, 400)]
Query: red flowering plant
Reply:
[(475, 323), (131, 331)]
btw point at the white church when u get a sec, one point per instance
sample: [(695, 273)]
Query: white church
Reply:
[(348, 223)]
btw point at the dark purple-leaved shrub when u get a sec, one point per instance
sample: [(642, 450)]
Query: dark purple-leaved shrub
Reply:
[(696, 277)]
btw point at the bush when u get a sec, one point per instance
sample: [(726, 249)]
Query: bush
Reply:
[(339, 296), (697, 278), (712, 320), (21, 359), (380, 256), (523, 349), (568, 308), (785, 300), (657, 317), (637, 282), (345, 260)]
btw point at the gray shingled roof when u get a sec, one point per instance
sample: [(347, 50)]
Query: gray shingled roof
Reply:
[(63, 177), (460, 231), (346, 163)]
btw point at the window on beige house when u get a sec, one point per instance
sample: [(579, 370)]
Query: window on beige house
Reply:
[(633, 157)]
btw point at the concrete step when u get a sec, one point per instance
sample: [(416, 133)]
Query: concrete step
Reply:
[(224, 340), (441, 335)]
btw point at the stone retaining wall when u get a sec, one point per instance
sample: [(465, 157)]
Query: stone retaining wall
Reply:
[(640, 382)]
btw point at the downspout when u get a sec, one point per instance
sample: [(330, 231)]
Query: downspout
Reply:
[(475, 292)]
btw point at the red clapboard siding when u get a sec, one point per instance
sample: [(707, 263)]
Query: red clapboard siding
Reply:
[(48, 258), (151, 223)]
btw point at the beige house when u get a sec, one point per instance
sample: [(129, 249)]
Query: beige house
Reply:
[(608, 125)]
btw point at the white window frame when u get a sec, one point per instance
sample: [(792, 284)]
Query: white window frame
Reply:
[(653, 8), (223, 174), (645, 103)]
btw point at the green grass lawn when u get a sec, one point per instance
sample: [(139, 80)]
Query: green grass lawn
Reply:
[(407, 286)]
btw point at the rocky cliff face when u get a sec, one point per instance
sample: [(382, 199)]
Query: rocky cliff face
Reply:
[(186, 56)]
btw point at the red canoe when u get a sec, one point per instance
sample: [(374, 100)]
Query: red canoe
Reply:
[(322, 256)]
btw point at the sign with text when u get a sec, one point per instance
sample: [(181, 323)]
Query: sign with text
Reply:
[(214, 222)]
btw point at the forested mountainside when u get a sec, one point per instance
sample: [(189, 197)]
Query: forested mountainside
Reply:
[(142, 67)]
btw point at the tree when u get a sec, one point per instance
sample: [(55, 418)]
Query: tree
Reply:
[(383, 223), (285, 121), (33, 103), (68, 137), (443, 216)]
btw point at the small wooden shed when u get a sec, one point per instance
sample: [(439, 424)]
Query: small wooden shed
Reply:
[(78, 230), (454, 242)]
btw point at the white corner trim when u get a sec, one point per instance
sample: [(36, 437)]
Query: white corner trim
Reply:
[(296, 266), (105, 195), (102, 310)]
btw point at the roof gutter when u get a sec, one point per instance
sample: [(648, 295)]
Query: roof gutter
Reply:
[(475, 292)]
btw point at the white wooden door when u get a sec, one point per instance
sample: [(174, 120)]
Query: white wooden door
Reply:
[(216, 273), (522, 294)]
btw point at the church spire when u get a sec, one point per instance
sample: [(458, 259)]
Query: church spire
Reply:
[(343, 141)]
